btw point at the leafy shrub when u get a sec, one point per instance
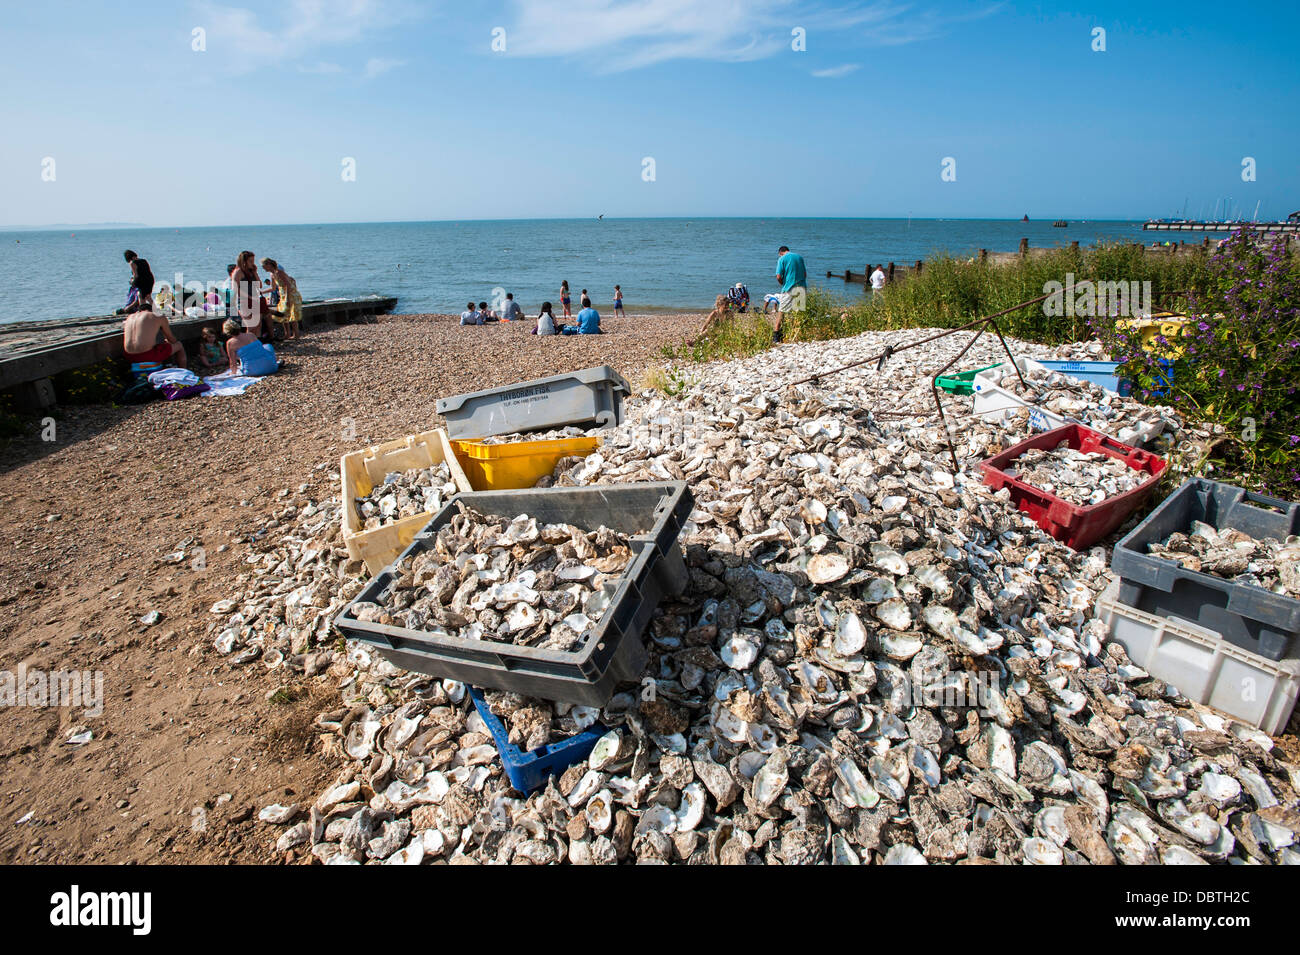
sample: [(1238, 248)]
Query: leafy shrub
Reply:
[(1239, 363)]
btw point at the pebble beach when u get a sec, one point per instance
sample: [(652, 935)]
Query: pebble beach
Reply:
[(94, 519)]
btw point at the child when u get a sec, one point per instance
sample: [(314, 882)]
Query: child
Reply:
[(618, 301), (721, 310), (564, 298), (211, 360)]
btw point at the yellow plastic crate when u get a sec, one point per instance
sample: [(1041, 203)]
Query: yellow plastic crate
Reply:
[(362, 470), (497, 467), (1172, 327)]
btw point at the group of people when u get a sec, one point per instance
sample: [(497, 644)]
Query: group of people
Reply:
[(793, 297), (250, 319), (587, 320)]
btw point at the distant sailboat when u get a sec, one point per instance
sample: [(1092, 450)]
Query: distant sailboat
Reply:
[(1026, 218)]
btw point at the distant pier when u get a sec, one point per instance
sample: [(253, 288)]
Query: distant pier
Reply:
[(1155, 225)]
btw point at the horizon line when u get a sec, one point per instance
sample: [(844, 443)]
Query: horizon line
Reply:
[(112, 226)]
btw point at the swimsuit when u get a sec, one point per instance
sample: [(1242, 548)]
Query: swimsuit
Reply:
[(160, 352), (564, 300)]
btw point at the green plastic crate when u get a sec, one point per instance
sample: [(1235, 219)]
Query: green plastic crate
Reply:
[(962, 383)]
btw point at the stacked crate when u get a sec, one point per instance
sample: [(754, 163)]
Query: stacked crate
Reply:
[(1225, 643)]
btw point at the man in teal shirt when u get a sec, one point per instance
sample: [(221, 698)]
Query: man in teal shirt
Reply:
[(793, 276)]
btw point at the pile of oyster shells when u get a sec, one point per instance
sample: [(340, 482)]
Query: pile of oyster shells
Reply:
[(406, 493), (532, 723), (1229, 553), (511, 581), (875, 660), (552, 435), (1080, 477), (1090, 404)]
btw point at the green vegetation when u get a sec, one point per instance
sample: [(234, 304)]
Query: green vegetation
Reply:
[(1241, 371), (11, 423), (97, 384), (1236, 364)]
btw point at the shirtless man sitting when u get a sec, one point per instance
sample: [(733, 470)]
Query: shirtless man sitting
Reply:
[(140, 339)]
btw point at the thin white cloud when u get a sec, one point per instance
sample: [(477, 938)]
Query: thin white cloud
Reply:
[(915, 26), (835, 72), (303, 27), (628, 34), (378, 65)]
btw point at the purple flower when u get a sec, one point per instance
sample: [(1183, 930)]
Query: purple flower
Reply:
[(1295, 439)]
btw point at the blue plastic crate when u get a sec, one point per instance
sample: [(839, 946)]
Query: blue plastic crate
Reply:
[(1100, 373), (529, 771), (1166, 372)]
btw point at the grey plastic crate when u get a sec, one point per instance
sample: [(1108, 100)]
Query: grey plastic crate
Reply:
[(652, 514), (1253, 618), (590, 398), (1203, 666)]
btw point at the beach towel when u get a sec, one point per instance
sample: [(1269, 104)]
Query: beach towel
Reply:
[(225, 384), (173, 376), (140, 370), (175, 392), (175, 384)]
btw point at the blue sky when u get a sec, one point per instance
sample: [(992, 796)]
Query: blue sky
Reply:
[(255, 127)]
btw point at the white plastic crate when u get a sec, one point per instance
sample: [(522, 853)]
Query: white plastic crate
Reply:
[(362, 470), (1203, 666)]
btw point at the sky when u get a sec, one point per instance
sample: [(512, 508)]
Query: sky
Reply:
[(203, 113)]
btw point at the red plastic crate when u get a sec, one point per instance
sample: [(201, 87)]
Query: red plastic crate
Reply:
[(1076, 526)]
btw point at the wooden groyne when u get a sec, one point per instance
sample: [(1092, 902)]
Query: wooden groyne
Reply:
[(31, 353), (895, 271)]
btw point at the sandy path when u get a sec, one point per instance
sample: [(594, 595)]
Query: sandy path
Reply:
[(181, 728)]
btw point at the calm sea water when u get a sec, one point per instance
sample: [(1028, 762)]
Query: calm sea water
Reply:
[(439, 266)]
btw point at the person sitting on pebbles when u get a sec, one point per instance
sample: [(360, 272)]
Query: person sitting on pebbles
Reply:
[(588, 321), (237, 338), (140, 331), (212, 359)]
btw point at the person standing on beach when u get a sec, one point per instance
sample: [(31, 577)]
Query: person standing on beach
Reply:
[(246, 286), (290, 312), (138, 296), (877, 282), (618, 301), (564, 298), (793, 276)]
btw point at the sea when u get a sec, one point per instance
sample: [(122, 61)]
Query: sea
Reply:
[(662, 264)]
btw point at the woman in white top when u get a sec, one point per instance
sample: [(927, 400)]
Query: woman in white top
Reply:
[(546, 321)]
